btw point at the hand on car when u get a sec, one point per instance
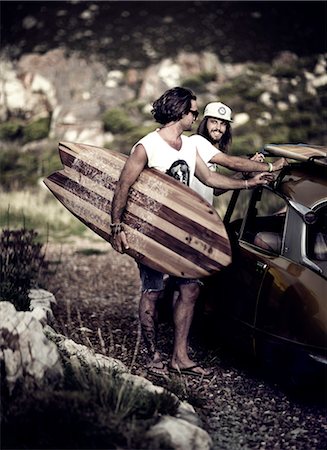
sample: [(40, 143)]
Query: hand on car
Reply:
[(258, 157), (262, 178)]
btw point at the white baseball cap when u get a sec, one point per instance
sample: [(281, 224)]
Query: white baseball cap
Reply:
[(219, 111)]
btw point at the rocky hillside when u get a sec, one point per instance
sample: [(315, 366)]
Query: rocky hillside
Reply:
[(88, 71)]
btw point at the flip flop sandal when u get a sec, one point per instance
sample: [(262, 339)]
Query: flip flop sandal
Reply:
[(190, 371)]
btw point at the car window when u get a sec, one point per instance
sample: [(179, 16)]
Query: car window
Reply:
[(242, 201), (316, 242), (265, 221)]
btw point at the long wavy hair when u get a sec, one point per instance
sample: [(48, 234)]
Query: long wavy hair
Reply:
[(172, 105), (226, 139)]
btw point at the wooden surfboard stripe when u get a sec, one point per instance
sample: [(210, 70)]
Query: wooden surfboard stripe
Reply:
[(315, 153), (151, 190), (300, 149), (160, 236), (142, 185), (210, 237), (153, 232), (168, 227), (154, 248)]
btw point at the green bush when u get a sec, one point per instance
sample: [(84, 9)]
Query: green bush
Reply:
[(276, 134), (247, 143), (21, 169), (198, 82), (124, 143), (16, 129), (241, 85), (38, 129), (11, 130), (116, 121), (285, 71), (21, 263)]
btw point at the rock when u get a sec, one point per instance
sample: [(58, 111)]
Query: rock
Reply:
[(240, 119), (41, 305), (285, 58), (27, 355), (81, 355), (187, 412), (28, 96), (72, 91), (158, 78), (170, 72), (178, 434)]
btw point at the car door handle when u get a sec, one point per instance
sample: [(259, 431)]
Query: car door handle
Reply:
[(261, 267)]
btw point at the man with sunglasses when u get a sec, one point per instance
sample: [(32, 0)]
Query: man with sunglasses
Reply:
[(213, 140), (171, 152)]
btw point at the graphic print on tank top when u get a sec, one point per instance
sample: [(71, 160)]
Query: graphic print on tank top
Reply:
[(180, 171)]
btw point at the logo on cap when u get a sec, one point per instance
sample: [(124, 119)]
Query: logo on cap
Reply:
[(222, 110)]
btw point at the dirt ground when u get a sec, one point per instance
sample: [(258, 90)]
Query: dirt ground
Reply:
[(97, 292)]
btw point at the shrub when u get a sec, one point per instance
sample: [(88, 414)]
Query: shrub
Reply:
[(38, 129), (116, 121), (124, 143), (11, 130), (198, 82), (285, 71), (246, 143), (21, 169), (21, 261)]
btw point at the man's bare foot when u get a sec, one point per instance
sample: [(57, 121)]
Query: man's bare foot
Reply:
[(157, 368)]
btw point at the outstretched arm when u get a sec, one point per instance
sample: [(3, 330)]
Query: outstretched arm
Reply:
[(259, 157), (131, 170), (247, 165), (216, 180)]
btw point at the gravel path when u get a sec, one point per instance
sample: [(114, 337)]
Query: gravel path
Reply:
[(97, 292)]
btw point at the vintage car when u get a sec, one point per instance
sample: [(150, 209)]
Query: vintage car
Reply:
[(272, 300)]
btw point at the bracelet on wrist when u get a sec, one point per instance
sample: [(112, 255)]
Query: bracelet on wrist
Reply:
[(270, 167), (116, 228)]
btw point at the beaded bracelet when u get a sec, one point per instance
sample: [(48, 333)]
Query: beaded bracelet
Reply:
[(116, 228)]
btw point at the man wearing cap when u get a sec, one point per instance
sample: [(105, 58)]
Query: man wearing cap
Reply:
[(213, 138)]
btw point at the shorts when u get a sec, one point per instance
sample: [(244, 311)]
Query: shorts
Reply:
[(154, 281)]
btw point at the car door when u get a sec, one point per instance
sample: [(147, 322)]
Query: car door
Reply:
[(263, 215)]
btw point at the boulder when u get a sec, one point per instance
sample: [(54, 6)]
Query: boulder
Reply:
[(80, 355), (73, 91), (171, 72), (41, 305), (178, 434), (26, 354)]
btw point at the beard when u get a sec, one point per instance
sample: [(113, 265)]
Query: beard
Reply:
[(215, 137)]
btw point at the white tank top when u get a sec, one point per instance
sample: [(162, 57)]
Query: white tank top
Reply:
[(207, 151), (180, 164)]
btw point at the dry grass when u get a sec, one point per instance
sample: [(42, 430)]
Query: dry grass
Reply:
[(37, 209)]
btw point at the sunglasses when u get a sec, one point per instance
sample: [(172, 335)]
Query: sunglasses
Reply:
[(195, 113)]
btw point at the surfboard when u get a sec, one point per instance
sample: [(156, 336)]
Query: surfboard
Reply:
[(169, 227), (299, 152)]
